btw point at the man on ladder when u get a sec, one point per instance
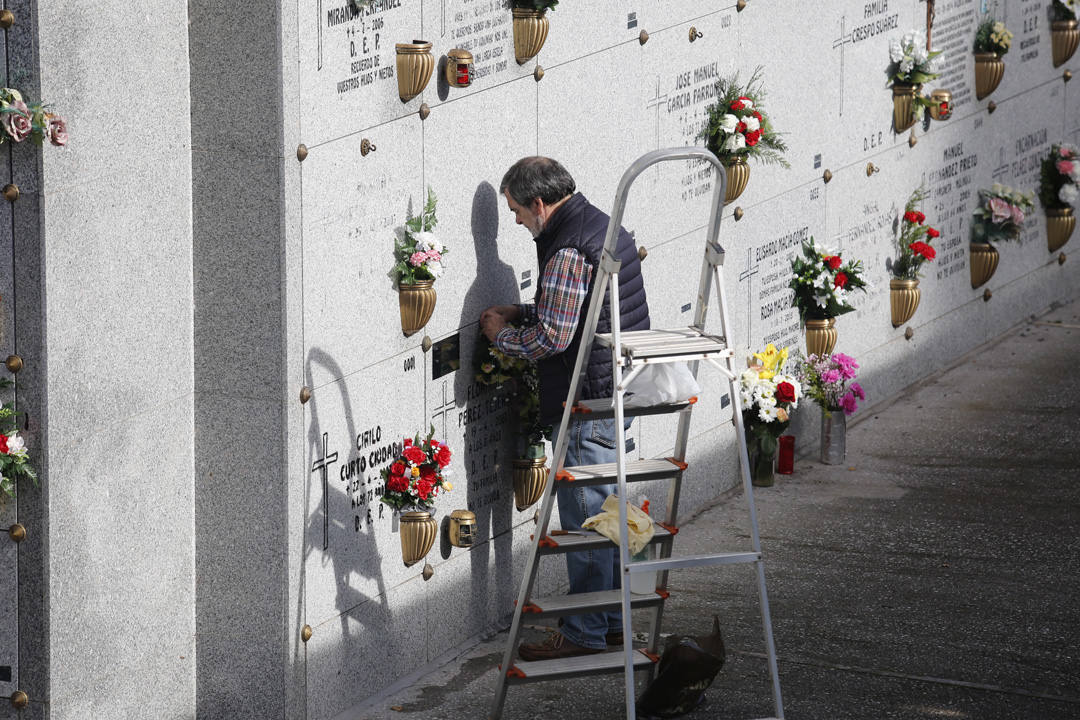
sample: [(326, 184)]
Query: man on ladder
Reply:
[(569, 233)]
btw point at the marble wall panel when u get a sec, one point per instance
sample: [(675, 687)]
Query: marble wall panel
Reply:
[(352, 550), (1030, 60), (484, 28), (468, 145), (351, 207), (347, 65)]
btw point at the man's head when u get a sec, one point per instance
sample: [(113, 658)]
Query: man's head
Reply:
[(534, 188)]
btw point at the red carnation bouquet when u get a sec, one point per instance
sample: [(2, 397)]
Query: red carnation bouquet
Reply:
[(915, 238), (418, 475)]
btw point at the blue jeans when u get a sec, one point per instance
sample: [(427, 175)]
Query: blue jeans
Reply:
[(591, 442)]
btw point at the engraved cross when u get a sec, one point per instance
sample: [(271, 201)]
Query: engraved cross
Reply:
[(841, 42), (448, 406), (748, 275), (322, 465)]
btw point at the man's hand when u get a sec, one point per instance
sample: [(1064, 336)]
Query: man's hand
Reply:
[(509, 313), (491, 323)]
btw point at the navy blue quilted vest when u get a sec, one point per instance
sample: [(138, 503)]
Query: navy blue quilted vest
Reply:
[(579, 225)]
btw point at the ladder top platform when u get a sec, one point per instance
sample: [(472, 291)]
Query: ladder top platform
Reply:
[(644, 345)]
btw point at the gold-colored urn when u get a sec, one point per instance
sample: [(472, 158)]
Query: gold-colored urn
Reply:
[(989, 69), (1064, 37), (904, 298), (820, 336), (941, 104), (462, 528), (905, 106), (984, 261), (1060, 223), (738, 174), (530, 479), (418, 530), (530, 33), (415, 63), (416, 303)]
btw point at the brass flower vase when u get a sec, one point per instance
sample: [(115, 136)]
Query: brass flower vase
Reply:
[(1060, 223), (530, 32), (989, 69), (903, 100), (416, 302), (903, 299), (1064, 37), (415, 63), (984, 261), (530, 479), (738, 174), (820, 336), (418, 530)]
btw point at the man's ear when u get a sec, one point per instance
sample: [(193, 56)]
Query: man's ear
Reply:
[(537, 207)]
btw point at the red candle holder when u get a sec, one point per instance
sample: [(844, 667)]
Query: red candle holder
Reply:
[(785, 460)]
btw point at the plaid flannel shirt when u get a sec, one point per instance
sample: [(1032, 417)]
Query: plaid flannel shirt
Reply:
[(549, 326)]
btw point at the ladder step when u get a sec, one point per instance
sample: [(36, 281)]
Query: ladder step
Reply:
[(588, 602), (596, 664), (636, 471), (603, 408), (685, 561), (589, 540), (668, 345)]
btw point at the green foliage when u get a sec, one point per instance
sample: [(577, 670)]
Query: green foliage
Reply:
[(913, 230), (822, 282), (14, 459), (534, 4), (992, 37), (731, 109), (520, 379), (1052, 182), (1065, 10), (1000, 214), (414, 238)]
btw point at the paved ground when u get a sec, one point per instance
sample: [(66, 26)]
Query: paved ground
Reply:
[(934, 577)]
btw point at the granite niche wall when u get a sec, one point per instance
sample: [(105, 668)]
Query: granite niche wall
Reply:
[(276, 280)]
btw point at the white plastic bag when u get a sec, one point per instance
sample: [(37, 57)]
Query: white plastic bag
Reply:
[(662, 384)]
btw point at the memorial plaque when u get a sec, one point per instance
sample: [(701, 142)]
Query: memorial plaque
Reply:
[(348, 65), (954, 35), (1030, 56)]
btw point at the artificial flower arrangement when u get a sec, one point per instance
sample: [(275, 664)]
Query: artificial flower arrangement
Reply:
[(418, 475), (418, 262), (1059, 189), (1064, 35), (823, 282), (22, 120), (415, 478), (992, 41), (999, 217), (14, 458), (530, 27), (768, 395), (912, 65), (738, 128), (829, 380), (1000, 214), (519, 377), (915, 248)]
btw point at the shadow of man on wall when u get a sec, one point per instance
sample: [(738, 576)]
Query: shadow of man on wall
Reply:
[(490, 422)]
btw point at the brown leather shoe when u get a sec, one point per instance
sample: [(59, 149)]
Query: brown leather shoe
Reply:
[(555, 646)]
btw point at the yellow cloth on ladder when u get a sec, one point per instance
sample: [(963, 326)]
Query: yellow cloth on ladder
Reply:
[(639, 526)]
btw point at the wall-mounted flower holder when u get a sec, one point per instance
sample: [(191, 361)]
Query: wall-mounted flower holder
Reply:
[(1060, 223), (821, 336), (738, 175), (416, 302), (415, 63), (989, 69), (905, 104), (459, 68), (530, 479), (904, 299), (1064, 38), (941, 104), (984, 262), (530, 33), (418, 532)]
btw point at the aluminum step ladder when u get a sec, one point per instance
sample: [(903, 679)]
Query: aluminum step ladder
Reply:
[(631, 353)]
